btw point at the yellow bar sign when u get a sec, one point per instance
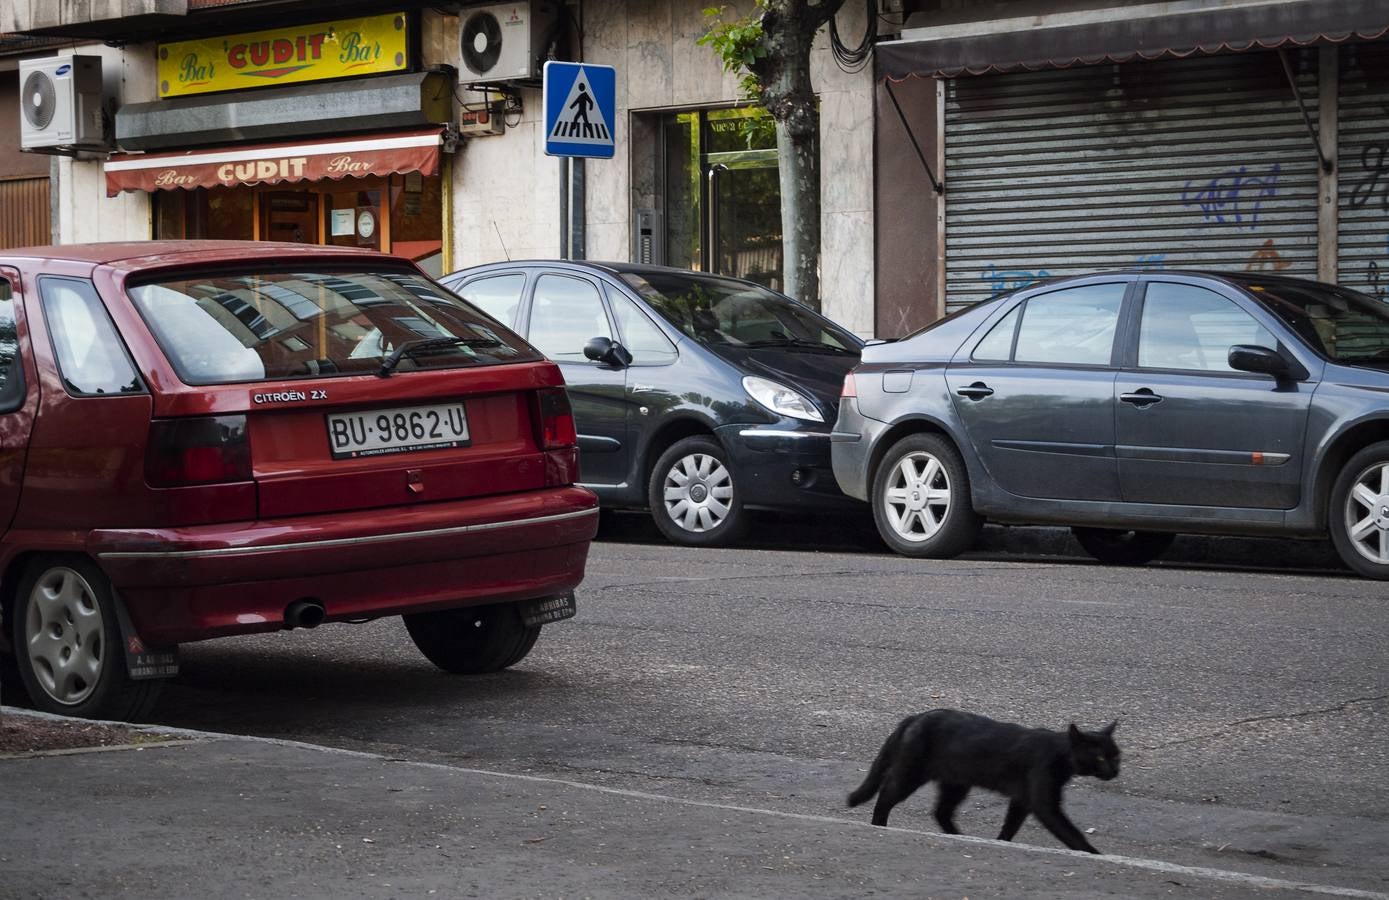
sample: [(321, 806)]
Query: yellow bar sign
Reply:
[(295, 53)]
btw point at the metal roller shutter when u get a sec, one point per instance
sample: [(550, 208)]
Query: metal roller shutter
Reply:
[(24, 215), (1192, 163), (1362, 259)]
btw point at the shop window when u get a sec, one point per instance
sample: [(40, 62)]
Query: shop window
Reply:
[(402, 214), (417, 220)]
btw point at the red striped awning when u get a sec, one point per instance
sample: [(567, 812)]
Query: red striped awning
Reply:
[(388, 154)]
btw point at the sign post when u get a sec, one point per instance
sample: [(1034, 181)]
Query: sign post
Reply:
[(580, 109)]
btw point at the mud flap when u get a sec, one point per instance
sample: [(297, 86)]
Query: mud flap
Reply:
[(141, 662), (548, 609)]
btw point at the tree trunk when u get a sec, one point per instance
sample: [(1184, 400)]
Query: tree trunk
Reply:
[(798, 152), (789, 28)]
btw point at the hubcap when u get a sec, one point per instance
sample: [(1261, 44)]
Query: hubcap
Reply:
[(917, 496), (63, 636), (698, 492), (1367, 513)]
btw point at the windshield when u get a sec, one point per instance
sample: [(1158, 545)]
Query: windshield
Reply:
[(719, 311), (1339, 323), (269, 326)]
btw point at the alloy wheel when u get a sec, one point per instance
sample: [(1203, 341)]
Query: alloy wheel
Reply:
[(916, 497), (1367, 513), (64, 636), (698, 492)]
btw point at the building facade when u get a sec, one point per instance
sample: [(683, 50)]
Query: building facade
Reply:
[(694, 172), (1069, 137), (985, 145)]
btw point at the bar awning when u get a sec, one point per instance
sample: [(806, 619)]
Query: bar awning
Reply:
[(388, 154), (1227, 29)]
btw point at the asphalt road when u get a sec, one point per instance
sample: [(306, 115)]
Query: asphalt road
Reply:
[(1252, 700)]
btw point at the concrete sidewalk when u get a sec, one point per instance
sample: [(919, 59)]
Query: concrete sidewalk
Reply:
[(211, 816)]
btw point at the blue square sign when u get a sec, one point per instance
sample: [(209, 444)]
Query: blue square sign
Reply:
[(580, 109)]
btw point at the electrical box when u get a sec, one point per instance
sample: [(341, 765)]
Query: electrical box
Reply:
[(483, 121)]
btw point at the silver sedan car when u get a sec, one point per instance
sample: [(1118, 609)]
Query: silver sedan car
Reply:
[(1131, 406)]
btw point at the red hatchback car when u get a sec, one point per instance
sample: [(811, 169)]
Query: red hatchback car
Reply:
[(211, 438)]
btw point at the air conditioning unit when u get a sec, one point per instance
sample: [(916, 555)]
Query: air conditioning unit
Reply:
[(504, 42), (62, 106)]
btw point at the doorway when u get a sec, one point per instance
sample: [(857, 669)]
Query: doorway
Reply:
[(290, 216), (722, 194)]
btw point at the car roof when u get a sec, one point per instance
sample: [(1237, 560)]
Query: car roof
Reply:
[(149, 254), (607, 267)]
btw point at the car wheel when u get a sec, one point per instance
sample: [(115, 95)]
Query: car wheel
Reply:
[(693, 495), (921, 500), (1359, 514), (67, 643), (474, 639), (1116, 547)]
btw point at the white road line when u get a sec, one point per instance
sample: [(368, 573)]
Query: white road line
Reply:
[(1131, 862)]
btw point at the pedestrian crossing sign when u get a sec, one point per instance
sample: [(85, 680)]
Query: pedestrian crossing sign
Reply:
[(580, 109)]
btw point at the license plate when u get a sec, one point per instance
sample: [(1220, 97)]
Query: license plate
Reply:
[(550, 609), (406, 429)]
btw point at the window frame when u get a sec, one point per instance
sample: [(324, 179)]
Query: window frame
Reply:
[(608, 289), (68, 387), (1118, 344), (533, 284), (16, 389), (457, 288), (1300, 371)]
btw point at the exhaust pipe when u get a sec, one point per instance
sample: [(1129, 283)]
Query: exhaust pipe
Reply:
[(306, 613)]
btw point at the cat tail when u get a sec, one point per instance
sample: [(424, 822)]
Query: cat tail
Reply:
[(876, 771)]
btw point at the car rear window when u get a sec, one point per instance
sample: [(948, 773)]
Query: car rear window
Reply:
[(226, 327)]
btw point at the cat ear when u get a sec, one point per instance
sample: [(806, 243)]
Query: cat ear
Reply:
[(1108, 730), (1075, 733)]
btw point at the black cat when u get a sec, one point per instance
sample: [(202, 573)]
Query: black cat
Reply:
[(960, 750)]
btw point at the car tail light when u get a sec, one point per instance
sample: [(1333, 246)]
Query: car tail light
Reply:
[(203, 450), (555, 433), (555, 420), (850, 389)]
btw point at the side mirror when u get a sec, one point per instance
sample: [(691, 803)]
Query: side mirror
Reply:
[(1253, 358), (608, 352)]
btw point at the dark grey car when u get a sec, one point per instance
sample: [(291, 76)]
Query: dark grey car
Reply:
[(1131, 406), (695, 396)]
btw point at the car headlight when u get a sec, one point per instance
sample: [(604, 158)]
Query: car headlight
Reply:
[(781, 400)]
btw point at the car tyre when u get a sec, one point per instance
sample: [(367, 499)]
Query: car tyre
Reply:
[(472, 640), (921, 499), (694, 496), (1359, 512), (68, 647), (1116, 547)]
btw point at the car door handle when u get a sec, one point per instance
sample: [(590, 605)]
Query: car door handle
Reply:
[(1141, 398), (977, 391)]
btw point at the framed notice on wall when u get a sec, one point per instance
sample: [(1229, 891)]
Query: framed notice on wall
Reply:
[(342, 223)]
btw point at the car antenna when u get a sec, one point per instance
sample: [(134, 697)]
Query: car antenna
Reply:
[(500, 241)]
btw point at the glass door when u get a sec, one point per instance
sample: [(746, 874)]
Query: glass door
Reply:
[(290, 216), (722, 193), (745, 216)]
